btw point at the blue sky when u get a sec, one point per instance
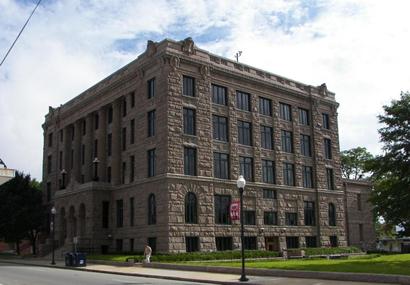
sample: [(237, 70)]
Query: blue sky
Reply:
[(359, 48)]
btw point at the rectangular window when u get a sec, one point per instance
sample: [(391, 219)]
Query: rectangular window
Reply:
[(311, 241), (50, 140), (268, 171), (48, 189), (330, 179), (124, 138), (132, 211), (309, 211), (192, 244), (220, 128), (123, 172), (132, 131), (222, 203), (246, 167), (189, 161), (109, 144), (120, 213), (249, 217), (265, 106), (110, 114), (61, 135), (223, 243), (95, 149), (72, 128), (291, 219), (221, 165), (328, 148), (249, 243), (288, 174), (60, 161), (270, 218), (326, 122), (82, 154), (304, 117), (118, 245), (151, 88), (305, 148), (219, 95), (72, 159), (244, 133), (49, 163), (269, 194), (109, 174), (131, 245), (151, 162), (287, 141), (292, 242), (132, 168), (83, 127), (266, 137), (132, 97), (189, 121), (124, 107), (285, 112), (151, 123), (105, 214), (361, 232), (359, 202), (188, 86), (243, 101), (333, 241), (307, 176), (96, 121)]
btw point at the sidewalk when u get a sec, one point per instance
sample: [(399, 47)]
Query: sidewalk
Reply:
[(175, 272)]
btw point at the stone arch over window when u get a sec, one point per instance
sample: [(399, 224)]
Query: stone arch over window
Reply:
[(81, 216), (152, 210), (62, 226), (332, 215), (191, 210)]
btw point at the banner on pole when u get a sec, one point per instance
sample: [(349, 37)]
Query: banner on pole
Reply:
[(234, 210)]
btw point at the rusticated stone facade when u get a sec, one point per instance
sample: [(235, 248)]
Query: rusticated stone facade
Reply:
[(97, 150)]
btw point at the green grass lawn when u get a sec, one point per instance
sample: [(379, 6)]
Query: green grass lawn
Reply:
[(372, 263)]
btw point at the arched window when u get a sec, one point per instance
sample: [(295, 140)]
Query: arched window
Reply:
[(152, 210), (190, 208), (332, 215)]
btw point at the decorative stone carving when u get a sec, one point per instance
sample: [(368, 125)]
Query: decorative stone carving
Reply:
[(188, 46), (323, 89), (151, 48), (204, 70), (174, 62)]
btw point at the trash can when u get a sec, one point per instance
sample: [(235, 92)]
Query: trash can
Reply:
[(80, 259), (69, 259)]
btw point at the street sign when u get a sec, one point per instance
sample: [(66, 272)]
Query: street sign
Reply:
[(234, 210)]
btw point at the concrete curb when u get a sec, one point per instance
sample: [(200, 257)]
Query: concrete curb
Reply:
[(340, 276)]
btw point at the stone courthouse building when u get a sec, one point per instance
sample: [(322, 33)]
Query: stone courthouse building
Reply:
[(151, 154)]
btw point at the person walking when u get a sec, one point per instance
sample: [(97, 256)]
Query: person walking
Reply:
[(147, 253)]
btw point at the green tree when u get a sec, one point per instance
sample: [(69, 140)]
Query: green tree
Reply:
[(354, 162), (21, 210), (391, 170)]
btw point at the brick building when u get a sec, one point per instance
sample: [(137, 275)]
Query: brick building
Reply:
[(151, 154)]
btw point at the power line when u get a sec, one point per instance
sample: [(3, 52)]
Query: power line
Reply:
[(22, 29)]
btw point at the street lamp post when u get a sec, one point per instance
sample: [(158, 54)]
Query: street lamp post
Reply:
[(53, 214), (95, 163), (241, 182)]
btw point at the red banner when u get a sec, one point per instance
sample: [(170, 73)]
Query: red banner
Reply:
[(235, 210)]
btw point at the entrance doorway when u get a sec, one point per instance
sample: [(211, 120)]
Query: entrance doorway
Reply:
[(272, 243)]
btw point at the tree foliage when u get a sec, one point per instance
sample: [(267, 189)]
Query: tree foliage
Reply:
[(21, 210), (391, 170), (354, 162)]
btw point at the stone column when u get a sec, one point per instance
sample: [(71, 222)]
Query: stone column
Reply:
[(89, 145), (116, 143), (102, 143), (77, 151)]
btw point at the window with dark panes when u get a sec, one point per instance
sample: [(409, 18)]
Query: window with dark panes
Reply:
[(110, 114), (132, 168), (288, 174), (151, 88), (305, 148), (311, 241), (152, 242), (220, 128), (223, 243), (188, 86), (83, 127), (268, 171), (120, 213), (118, 245), (359, 201), (189, 161), (191, 208), (285, 112), (246, 167), (270, 218), (123, 172), (222, 203), (244, 133), (269, 194), (132, 97), (109, 144), (330, 179), (96, 121), (132, 211), (192, 244), (82, 154), (131, 245), (219, 95), (105, 214), (132, 131), (109, 174), (48, 189), (124, 139), (124, 107), (72, 132), (152, 210), (249, 243), (151, 162), (60, 160), (50, 140), (333, 241), (266, 137), (292, 242), (243, 101), (151, 123), (287, 141), (221, 165), (72, 159), (332, 214), (265, 106), (249, 217), (95, 149), (309, 213), (304, 117), (328, 148), (307, 176), (189, 121), (61, 135), (325, 121), (291, 219)]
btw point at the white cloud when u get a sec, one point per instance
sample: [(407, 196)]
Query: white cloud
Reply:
[(359, 48)]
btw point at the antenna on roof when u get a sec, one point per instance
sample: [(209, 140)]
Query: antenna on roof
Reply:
[(237, 55)]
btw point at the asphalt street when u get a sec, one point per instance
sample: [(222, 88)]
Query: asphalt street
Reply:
[(35, 275)]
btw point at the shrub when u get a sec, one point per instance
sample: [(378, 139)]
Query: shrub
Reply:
[(330, 250)]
